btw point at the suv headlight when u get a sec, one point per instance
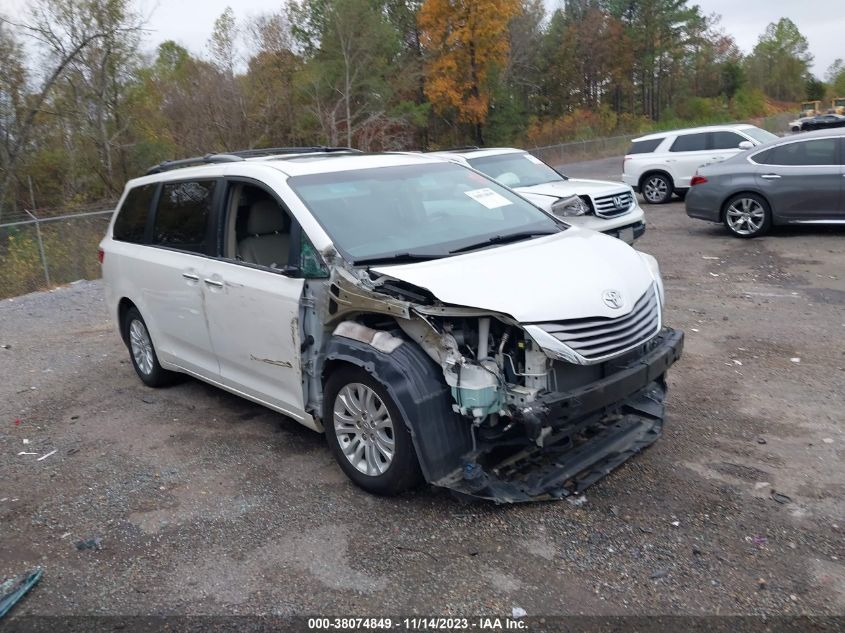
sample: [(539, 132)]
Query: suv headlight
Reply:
[(654, 269), (568, 207)]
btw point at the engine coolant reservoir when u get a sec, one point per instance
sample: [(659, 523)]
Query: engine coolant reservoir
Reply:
[(475, 387)]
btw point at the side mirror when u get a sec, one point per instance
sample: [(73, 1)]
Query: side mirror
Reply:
[(287, 270), (746, 145)]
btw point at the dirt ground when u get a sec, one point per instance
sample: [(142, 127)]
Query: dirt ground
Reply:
[(203, 503)]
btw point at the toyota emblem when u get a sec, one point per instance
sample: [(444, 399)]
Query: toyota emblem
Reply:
[(612, 298)]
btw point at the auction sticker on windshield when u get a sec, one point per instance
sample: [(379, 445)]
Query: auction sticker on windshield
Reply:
[(488, 198)]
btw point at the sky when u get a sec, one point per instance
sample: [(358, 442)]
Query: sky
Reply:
[(189, 22)]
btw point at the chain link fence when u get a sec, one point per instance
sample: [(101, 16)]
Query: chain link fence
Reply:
[(588, 149), (49, 247)]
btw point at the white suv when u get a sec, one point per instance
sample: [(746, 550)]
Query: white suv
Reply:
[(661, 164), (434, 324), (608, 207)]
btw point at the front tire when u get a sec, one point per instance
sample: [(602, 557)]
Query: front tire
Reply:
[(367, 433), (142, 352), (657, 189), (748, 215)]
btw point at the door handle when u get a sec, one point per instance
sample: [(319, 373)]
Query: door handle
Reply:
[(213, 282), (770, 176), (190, 277)]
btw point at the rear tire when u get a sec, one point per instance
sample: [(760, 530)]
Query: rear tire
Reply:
[(142, 352), (747, 215), (657, 188), (367, 433)]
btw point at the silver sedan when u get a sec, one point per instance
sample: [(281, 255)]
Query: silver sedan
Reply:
[(795, 180)]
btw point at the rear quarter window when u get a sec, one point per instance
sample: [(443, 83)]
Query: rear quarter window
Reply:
[(131, 222), (183, 214), (644, 147)]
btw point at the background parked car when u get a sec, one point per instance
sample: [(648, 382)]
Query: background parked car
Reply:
[(796, 180), (661, 164), (795, 126), (823, 122), (608, 207)]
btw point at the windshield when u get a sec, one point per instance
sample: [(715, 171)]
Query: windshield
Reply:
[(416, 211), (760, 135), (516, 169)]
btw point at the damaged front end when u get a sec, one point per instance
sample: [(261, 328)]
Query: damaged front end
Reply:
[(565, 439), (502, 410)]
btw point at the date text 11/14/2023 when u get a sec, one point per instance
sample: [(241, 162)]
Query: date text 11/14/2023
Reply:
[(419, 623)]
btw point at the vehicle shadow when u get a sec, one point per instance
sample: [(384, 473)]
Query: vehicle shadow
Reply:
[(804, 230), (235, 410), (781, 231)]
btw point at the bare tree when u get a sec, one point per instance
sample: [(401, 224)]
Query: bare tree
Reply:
[(270, 81), (353, 43), (13, 93), (226, 106), (67, 31)]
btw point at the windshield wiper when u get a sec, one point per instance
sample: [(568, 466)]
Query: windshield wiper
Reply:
[(397, 258), (502, 239)]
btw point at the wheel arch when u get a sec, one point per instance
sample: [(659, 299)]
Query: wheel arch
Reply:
[(416, 385), (654, 172), (123, 306)]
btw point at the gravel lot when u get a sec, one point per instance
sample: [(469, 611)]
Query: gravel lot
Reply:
[(204, 503)]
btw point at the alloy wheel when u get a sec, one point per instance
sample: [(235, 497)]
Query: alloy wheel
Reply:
[(142, 347), (656, 189), (745, 216), (364, 429)]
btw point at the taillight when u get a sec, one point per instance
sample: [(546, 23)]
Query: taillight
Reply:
[(101, 255), (697, 180)]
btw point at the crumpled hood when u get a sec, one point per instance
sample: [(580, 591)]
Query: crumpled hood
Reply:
[(549, 278)]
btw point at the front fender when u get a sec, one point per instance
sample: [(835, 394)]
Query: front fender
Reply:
[(416, 384)]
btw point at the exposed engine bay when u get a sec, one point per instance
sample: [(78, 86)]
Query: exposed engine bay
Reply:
[(511, 421)]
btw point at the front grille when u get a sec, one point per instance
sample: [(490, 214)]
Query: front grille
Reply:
[(614, 204), (602, 337)]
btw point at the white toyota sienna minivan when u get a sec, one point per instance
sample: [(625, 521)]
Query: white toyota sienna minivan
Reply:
[(435, 325)]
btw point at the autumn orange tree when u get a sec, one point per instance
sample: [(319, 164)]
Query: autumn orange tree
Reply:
[(465, 41)]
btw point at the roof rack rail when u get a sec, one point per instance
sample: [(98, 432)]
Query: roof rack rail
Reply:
[(167, 165), (273, 151), (460, 148), (242, 154)]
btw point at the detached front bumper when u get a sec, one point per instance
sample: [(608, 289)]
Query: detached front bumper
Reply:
[(594, 429)]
